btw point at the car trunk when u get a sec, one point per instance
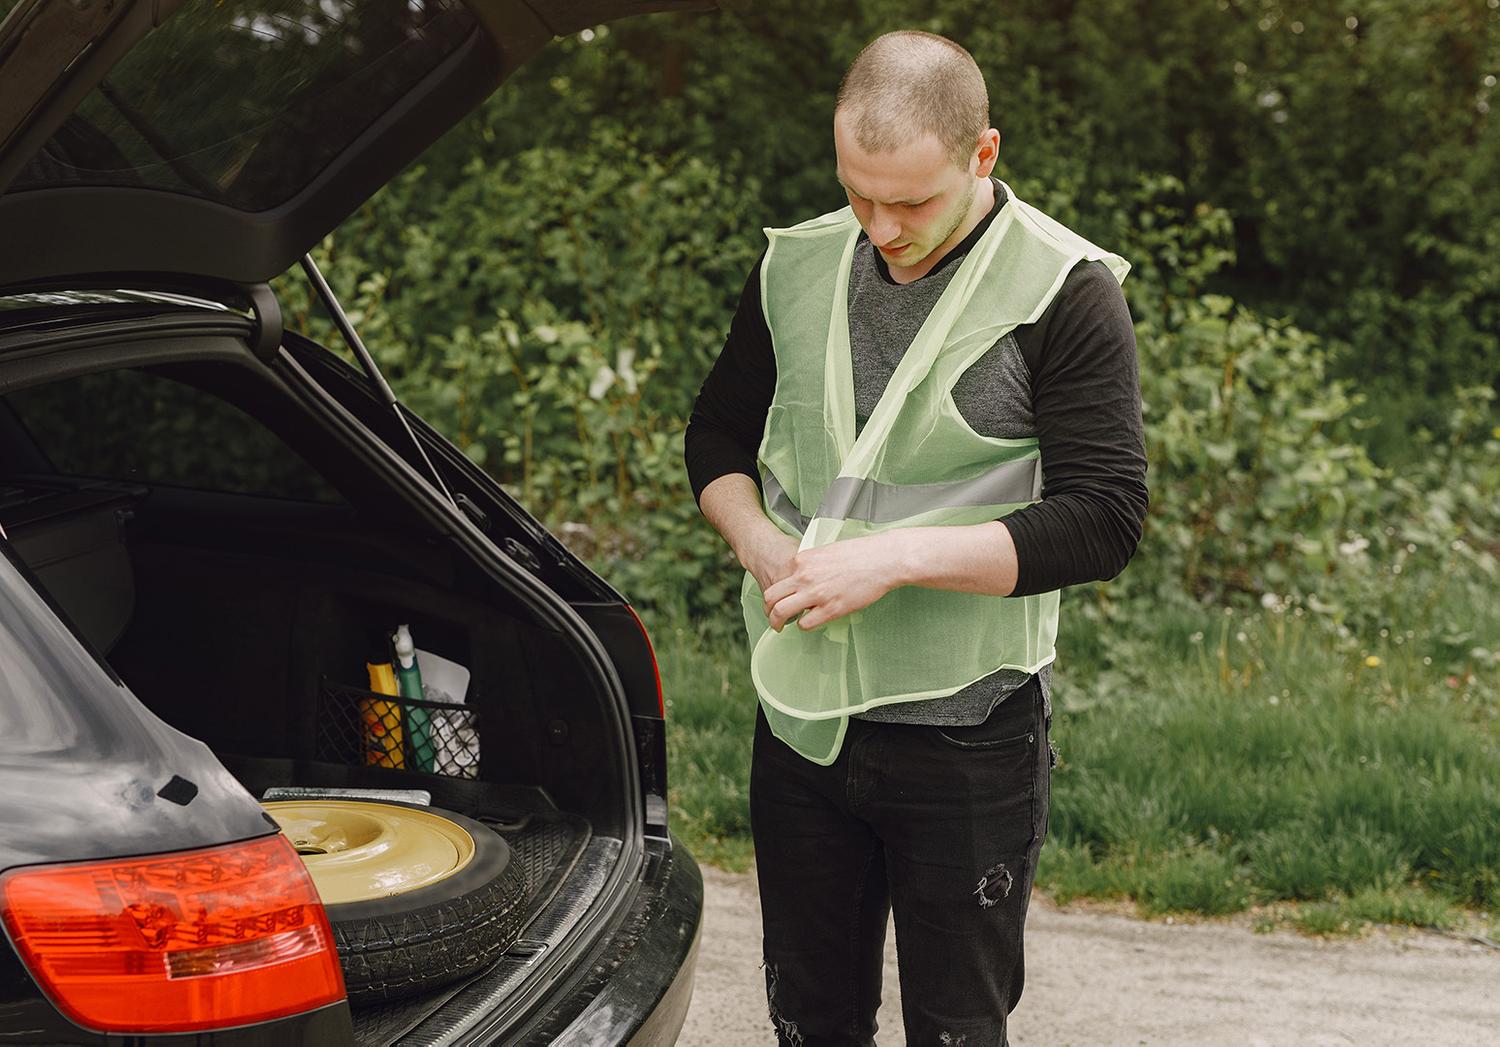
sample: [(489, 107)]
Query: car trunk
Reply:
[(219, 624), (244, 616)]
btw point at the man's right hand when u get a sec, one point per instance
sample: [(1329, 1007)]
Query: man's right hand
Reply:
[(732, 504), (770, 559)]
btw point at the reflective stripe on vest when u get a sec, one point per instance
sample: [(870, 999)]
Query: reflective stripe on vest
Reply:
[(850, 498)]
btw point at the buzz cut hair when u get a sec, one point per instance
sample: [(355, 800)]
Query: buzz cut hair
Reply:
[(909, 82)]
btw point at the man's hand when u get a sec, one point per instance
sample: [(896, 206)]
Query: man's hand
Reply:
[(830, 581), (771, 558)]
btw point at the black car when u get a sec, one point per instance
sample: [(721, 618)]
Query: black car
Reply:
[(260, 626)]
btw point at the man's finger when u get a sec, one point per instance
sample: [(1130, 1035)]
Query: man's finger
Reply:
[(779, 591), (816, 616), (786, 609)]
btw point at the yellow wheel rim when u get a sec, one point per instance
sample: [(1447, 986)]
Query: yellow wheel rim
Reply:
[(358, 851)]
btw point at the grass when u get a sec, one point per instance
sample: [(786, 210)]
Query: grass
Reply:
[(1212, 762), (710, 721), (1271, 759), (1344, 916)]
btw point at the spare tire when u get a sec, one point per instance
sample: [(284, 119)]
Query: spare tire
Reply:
[(417, 896)]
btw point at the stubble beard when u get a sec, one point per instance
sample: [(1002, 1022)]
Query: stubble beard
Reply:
[(957, 217)]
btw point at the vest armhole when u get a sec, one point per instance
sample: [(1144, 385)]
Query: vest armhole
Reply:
[(765, 299), (1031, 337), (1029, 341)]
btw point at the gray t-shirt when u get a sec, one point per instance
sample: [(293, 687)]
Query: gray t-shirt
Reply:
[(993, 395)]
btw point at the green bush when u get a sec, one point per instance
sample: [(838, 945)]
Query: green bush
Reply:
[(1253, 452), (1353, 151)]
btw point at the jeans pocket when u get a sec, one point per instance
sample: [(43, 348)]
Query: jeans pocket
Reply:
[(1011, 722), (974, 738)]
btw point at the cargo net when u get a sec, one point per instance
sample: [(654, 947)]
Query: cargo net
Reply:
[(364, 729)]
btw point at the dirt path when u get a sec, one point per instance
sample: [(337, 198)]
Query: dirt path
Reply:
[(1105, 979)]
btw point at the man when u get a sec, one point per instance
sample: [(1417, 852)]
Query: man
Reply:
[(895, 377)]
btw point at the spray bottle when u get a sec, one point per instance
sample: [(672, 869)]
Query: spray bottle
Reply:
[(380, 722), (409, 679)]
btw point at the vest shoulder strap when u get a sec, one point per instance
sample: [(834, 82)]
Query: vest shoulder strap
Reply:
[(833, 221)]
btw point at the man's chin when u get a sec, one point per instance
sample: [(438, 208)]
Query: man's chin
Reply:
[(907, 256)]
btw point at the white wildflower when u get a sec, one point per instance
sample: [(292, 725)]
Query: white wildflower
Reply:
[(603, 379), (1355, 546)]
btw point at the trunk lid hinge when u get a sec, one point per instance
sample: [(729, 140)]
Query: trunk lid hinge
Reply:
[(268, 326), (522, 555)]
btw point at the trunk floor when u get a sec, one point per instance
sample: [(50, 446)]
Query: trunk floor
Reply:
[(547, 846)]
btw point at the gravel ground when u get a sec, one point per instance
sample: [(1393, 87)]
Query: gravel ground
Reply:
[(1100, 978)]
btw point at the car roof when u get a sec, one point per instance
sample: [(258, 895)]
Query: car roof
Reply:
[(226, 139)]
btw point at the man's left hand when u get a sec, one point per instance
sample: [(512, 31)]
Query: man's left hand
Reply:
[(830, 581)]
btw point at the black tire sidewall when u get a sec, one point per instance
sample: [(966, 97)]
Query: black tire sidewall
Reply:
[(404, 944)]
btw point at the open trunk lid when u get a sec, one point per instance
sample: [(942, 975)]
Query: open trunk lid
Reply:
[(225, 139)]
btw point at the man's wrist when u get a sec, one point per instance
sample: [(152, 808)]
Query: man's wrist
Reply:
[(754, 540), (903, 563)]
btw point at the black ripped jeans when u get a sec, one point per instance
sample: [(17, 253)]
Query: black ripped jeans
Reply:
[(941, 826)]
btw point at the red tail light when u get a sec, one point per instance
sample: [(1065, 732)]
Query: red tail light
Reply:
[(661, 702), (176, 942)]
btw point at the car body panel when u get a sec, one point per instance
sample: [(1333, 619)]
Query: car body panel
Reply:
[(641, 982), (82, 762), (630, 984)]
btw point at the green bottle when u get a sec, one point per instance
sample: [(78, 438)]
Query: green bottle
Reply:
[(409, 679)]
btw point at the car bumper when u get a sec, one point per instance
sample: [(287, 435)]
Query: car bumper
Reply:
[(630, 984), (638, 983)]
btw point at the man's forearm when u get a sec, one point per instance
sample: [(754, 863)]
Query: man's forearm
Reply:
[(976, 558), (732, 504)]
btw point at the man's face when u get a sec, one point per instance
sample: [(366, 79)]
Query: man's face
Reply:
[(910, 200)]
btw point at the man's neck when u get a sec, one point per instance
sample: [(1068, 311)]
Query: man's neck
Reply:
[(984, 199)]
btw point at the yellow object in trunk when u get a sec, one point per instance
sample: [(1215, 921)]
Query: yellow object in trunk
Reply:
[(380, 722)]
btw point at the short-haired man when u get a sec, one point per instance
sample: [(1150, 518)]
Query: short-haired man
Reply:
[(871, 443)]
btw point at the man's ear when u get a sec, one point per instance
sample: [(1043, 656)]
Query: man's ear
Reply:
[(987, 152)]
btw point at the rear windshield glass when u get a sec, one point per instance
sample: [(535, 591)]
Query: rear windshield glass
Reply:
[(144, 428), (245, 102)]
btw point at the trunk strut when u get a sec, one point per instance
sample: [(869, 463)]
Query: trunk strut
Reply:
[(351, 337)]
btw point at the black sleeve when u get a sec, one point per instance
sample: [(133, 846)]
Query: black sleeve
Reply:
[(729, 415), (1086, 398)]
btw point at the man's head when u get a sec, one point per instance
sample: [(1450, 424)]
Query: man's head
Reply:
[(911, 132)]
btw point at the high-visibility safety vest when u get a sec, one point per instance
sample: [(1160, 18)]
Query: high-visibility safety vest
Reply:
[(916, 462)]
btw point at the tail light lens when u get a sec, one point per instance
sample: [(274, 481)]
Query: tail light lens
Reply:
[(176, 942), (661, 701)]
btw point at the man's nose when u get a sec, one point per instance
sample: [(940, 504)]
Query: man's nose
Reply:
[(884, 226)]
